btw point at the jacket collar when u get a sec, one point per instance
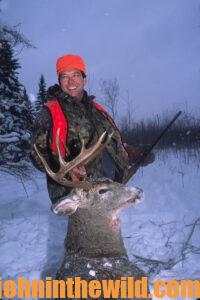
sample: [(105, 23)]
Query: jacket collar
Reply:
[(55, 91)]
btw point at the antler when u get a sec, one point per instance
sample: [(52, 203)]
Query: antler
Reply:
[(84, 157)]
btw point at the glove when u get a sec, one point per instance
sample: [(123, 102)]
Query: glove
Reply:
[(77, 173)]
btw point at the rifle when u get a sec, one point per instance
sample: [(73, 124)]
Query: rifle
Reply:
[(137, 164)]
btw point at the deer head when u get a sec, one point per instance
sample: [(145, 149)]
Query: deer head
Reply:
[(97, 195), (105, 197)]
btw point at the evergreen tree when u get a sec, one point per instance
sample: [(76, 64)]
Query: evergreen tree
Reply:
[(29, 115), (9, 84), (41, 96), (14, 135)]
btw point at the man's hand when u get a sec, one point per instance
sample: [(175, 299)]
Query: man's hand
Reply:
[(78, 173)]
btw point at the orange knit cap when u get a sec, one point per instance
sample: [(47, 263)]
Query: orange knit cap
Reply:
[(68, 62)]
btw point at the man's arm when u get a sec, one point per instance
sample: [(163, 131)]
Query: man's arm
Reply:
[(41, 137), (118, 152), (115, 148)]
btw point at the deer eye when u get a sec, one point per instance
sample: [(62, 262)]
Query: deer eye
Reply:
[(103, 191)]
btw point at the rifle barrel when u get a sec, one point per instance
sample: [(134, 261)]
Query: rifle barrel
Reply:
[(136, 165), (165, 129)]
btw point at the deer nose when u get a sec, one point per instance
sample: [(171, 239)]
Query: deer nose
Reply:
[(134, 189), (140, 194), (137, 191)]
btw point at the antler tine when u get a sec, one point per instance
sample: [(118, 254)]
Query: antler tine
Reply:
[(63, 180), (62, 162), (66, 149), (87, 155), (82, 145), (84, 157), (98, 147), (44, 162)]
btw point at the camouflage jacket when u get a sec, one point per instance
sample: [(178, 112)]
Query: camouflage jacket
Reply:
[(86, 122)]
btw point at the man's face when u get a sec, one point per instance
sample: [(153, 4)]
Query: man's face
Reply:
[(72, 83)]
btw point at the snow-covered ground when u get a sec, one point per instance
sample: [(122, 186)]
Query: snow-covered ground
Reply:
[(162, 228)]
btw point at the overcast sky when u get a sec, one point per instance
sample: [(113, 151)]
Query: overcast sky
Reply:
[(151, 46)]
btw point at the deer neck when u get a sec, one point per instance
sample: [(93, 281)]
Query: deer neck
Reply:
[(94, 234)]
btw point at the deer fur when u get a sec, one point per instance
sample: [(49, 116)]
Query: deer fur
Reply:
[(94, 247)]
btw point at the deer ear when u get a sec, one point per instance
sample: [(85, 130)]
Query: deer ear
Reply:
[(66, 206)]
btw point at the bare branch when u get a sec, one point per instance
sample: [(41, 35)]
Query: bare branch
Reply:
[(154, 266), (110, 90), (14, 37)]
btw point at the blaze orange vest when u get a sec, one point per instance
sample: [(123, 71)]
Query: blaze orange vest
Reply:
[(60, 121)]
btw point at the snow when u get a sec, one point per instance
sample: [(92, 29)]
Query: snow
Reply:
[(31, 236), (92, 273), (32, 97), (30, 232), (107, 264)]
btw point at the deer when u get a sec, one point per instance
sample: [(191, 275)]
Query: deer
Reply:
[(94, 248)]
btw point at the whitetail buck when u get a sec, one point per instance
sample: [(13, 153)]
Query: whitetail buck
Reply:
[(94, 247)]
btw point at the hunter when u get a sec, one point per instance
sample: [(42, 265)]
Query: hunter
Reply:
[(78, 116)]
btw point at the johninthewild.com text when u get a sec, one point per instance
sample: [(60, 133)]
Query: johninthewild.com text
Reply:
[(124, 287)]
